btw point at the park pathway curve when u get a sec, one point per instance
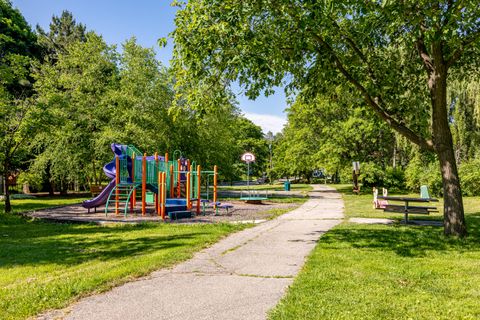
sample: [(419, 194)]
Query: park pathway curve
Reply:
[(240, 277)]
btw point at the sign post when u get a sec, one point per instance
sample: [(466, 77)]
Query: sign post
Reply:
[(248, 157), (355, 174)]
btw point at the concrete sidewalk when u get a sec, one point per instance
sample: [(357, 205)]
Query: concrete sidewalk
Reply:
[(241, 277)]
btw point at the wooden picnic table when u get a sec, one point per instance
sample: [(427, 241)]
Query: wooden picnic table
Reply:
[(406, 208)]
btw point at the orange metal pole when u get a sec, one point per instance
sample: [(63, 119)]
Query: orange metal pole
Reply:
[(199, 189), (179, 169), (117, 183), (171, 181), (187, 193), (156, 198), (164, 194), (188, 169), (144, 184), (215, 186), (134, 193)]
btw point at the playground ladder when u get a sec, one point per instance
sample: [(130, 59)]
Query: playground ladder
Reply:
[(125, 192)]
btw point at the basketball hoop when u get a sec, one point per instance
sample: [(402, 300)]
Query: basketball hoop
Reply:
[(248, 157)]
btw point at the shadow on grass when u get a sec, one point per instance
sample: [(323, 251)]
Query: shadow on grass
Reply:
[(25, 205), (25, 242), (405, 241)]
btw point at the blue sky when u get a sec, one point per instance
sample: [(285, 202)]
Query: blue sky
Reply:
[(147, 20)]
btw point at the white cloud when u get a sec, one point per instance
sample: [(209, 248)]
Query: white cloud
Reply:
[(267, 122)]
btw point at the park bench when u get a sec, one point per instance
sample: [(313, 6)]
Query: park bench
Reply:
[(406, 208), (219, 205), (96, 190)]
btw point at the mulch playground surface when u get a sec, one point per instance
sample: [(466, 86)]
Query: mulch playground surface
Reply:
[(241, 212)]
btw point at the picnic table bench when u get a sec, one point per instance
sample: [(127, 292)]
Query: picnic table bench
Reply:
[(95, 190), (217, 205), (406, 208)]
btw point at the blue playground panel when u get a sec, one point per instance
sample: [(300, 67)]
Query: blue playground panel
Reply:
[(175, 205)]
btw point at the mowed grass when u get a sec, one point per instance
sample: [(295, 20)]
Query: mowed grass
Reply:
[(46, 265), (22, 205), (361, 206), (388, 272)]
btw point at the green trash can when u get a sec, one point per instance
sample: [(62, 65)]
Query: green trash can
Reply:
[(286, 185)]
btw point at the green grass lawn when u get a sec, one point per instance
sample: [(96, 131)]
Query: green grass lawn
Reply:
[(362, 205), (388, 272), (22, 205), (46, 265)]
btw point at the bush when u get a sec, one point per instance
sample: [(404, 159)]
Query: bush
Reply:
[(420, 173), (470, 177), (372, 175), (394, 179)]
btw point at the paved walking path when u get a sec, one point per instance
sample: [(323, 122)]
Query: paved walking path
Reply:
[(241, 277)]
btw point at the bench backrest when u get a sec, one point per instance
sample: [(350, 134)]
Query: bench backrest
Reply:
[(424, 192)]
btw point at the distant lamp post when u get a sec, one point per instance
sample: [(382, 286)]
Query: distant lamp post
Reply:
[(269, 137)]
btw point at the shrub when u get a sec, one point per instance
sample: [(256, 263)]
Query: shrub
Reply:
[(470, 177), (372, 175), (420, 173), (394, 178)]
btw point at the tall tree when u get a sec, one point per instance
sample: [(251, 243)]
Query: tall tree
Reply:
[(395, 55), (77, 91), (63, 31), (20, 117)]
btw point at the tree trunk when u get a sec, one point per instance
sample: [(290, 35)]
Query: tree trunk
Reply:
[(8, 205), (49, 180), (453, 214)]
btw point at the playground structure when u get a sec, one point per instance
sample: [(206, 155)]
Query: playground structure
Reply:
[(253, 196), (175, 184)]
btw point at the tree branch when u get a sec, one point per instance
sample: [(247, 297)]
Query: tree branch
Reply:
[(373, 102), (424, 55), (458, 53), (357, 50)]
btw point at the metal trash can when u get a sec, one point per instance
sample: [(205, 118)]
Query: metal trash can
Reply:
[(286, 185)]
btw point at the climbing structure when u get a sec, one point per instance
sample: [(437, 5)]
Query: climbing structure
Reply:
[(175, 183)]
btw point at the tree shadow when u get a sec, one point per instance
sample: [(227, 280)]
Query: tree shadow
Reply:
[(36, 243), (406, 241)]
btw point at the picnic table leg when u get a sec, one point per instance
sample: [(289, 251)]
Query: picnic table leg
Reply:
[(406, 212), (203, 208)]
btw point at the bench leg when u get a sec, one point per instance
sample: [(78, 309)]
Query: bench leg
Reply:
[(406, 212)]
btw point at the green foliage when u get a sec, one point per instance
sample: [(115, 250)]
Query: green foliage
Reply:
[(372, 175), (470, 175), (21, 116), (394, 178), (420, 171), (63, 31), (76, 89)]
